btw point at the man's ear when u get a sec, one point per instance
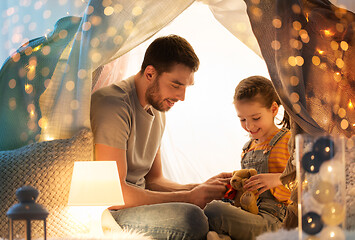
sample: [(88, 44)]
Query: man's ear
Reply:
[(150, 73)]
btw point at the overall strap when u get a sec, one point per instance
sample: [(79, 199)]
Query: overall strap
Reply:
[(247, 145), (275, 139), (278, 136)]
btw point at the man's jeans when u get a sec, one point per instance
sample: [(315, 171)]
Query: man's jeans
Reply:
[(173, 221)]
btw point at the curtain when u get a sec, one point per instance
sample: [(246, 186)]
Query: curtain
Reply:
[(107, 30), (309, 55), (309, 51)]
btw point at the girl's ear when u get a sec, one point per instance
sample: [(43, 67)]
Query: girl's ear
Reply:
[(150, 73), (274, 108)]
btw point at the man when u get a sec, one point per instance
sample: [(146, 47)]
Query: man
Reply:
[(128, 122)]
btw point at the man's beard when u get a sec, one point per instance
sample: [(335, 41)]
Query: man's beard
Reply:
[(153, 96)]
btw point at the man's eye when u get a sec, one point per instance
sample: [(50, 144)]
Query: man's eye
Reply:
[(242, 120), (175, 85)]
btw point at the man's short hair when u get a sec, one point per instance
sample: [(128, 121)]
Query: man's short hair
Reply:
[(164, 52)]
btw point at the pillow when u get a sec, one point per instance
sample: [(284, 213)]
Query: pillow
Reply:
[(47, 166)]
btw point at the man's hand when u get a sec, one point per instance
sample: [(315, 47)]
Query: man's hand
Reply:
[(263, 182), (220, 178), (213, 188)]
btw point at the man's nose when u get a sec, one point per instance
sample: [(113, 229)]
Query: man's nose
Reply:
[(181, 94)]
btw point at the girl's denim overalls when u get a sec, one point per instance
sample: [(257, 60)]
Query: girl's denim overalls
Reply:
[(258, 159)]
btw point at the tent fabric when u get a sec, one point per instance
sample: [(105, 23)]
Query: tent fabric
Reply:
[(232, 15), (24, 77), (309, 54), (311, 48), (109, 29)]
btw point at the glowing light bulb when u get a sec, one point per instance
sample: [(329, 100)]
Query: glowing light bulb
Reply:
[(350, 104), (37, 48), (31, 68), (48, 138), (337, 76), (327, 33), (307, 17), (324, 192), (333, 214), (332, 171), (28, 88), (331, 233)]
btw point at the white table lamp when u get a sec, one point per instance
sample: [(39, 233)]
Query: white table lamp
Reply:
[(95, 184)]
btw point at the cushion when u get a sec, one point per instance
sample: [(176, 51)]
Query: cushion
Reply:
[(47, 166)]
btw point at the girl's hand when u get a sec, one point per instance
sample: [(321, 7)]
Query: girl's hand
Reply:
[(263, 182)]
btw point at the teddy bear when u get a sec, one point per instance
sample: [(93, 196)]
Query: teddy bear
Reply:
[(237, 195)]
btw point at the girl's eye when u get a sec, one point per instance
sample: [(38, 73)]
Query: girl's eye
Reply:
[(242, 120), (256, 119)]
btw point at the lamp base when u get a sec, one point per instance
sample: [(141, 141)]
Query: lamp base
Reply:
[(91, 217), (95, 226)]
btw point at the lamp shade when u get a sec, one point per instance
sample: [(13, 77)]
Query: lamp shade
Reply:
[(95, 183)]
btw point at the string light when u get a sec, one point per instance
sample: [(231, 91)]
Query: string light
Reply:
[(37, 48), (48, 138), (27, 86), (320, 51), (307, 17), (327, 33)]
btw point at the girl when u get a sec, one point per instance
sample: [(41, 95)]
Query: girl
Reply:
[(257, 104)]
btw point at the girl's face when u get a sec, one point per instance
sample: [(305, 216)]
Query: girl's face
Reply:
[(256, 119)]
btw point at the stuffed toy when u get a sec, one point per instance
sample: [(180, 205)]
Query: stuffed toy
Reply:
[(236, 194)]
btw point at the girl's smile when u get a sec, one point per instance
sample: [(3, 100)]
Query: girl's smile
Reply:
[(256, 119)]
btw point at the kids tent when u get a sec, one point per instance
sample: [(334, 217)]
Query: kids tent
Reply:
[(308, 47)]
